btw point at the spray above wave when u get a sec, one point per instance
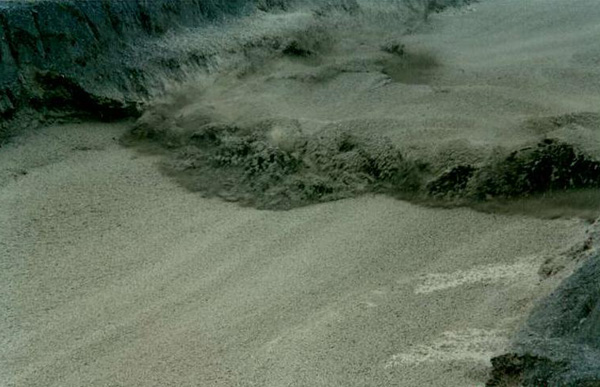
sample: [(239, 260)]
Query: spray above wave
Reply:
[(287, 123)]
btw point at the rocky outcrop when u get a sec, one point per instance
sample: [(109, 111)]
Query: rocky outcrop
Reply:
[(68, 55), (560, 343), (82, 57)]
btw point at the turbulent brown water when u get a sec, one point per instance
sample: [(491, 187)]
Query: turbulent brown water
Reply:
[(327, 112), (253, 134)]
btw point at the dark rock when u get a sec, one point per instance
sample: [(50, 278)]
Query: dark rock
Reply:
[(22, 35), (82, 44), (59, 93), (560, 343), (515, 370)]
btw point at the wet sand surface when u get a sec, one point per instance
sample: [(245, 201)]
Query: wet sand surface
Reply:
[(113, 275)]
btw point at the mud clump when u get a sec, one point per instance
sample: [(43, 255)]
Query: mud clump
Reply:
[(550, 165), (393, 47), (274, 164), (307, 45), (348, 6)]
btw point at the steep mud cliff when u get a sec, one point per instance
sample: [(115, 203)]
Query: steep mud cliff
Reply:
[(97, 58), (78, 56)]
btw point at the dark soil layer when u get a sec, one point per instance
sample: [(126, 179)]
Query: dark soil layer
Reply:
[(560, 343)]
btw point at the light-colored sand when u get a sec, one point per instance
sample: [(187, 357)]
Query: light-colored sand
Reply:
[(112, 275)]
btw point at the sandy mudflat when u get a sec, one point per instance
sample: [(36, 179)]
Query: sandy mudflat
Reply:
[(111, 274), (114, 276)]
